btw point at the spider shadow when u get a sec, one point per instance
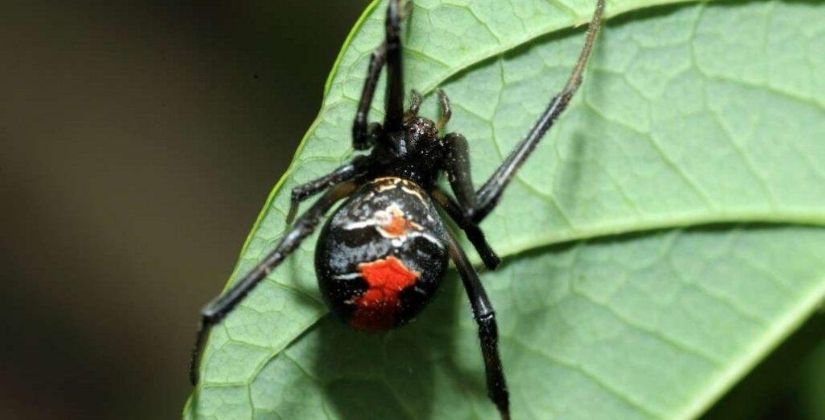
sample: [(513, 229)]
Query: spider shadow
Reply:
[(392, 374)]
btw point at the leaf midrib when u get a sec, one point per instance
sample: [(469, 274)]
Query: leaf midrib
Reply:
[(573, 235), (568, 235)]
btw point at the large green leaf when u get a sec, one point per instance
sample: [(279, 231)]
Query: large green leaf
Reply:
[(664, 237)]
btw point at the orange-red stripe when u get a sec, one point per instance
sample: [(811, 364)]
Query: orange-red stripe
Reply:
[(386, 278)]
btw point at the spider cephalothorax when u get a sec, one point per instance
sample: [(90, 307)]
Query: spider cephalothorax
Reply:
[(383, 253), (415, 152)]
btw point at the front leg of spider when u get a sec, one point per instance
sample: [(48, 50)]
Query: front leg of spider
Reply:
[(394, 95), (487, 197), (364, 134)]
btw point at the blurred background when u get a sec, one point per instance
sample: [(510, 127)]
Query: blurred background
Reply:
[(138, 140)]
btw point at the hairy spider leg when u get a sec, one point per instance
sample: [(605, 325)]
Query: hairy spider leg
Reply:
[(473, 232), (485, 317), (394, 108), (457, 166), (358, 167), (216, 310), (364, 136), (480, 204)]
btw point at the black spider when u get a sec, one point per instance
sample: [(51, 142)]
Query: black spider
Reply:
[(381, 256)]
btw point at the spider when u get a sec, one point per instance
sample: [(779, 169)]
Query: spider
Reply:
[(382, 254)]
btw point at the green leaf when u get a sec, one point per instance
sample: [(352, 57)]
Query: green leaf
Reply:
[(665, 236)]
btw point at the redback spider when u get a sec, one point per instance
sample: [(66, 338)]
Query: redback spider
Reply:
[(382, 254)]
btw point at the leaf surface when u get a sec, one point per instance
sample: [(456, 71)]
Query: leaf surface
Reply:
[(664, 236)]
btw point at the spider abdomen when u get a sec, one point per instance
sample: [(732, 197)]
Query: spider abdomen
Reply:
[(381, 256)]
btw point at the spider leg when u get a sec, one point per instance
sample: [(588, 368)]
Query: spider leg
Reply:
[(363, 136), (457, 165), (394, 109), (487, 330), (490, 192), (216, 310), (474, 234), (343, 173)]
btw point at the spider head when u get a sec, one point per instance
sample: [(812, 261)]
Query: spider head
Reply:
[(420, 129), (417, 140)]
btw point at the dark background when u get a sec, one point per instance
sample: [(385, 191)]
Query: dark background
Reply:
[(139, 140)]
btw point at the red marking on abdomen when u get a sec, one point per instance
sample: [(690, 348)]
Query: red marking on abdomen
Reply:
[(397, 225), (376, 308)]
